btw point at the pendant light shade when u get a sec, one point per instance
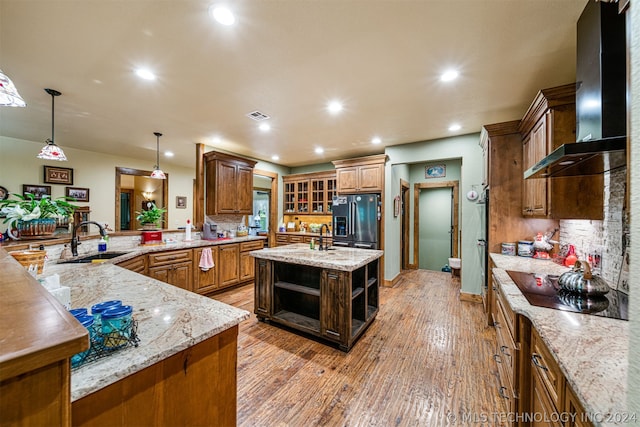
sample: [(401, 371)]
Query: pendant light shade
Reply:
[(157, 172), (51, 151), (9, 95)]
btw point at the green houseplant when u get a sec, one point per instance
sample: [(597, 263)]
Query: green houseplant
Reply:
[(150, 218), (34, 217)]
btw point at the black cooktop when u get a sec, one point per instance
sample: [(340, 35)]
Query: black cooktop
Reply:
[(540, 291)]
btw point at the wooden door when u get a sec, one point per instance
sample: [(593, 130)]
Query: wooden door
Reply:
[(541, 404), (182, 275), (370, 178), (263, 287), (333, 302), (228, 267), (244, 190), (247, 266), (347, 179), (226, 187), (205, 281), (161, 273), (538, 152)]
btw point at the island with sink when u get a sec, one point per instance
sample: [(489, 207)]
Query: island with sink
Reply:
[(331, 294)]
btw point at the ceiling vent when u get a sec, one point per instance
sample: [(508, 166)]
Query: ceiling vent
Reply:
[(257, 116)]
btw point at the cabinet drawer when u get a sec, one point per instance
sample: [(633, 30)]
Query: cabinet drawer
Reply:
[(507, 312), (544, 365), (282, 239), (137, 264), (251, 246), (296, 239), (506, 355), (170, 257)]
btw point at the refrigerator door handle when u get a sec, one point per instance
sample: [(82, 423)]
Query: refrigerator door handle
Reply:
[(352, 217)]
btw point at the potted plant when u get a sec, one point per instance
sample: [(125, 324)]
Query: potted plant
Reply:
[(34, 217), (150, 218)]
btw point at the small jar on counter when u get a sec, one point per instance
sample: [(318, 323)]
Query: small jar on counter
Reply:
[(525, 248), (85, 320), (98, 309), (509, 249), (116, 325)]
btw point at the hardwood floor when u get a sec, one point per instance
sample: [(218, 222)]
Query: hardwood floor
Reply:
[(425, 360)]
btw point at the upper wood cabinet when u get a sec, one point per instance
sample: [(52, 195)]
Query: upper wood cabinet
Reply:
[(549, 123), (229, 182), (360, 175), (309, 193)]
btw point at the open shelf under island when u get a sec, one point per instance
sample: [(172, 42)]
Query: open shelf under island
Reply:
[(330, 294)]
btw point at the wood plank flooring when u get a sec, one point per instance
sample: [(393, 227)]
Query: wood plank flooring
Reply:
[(425, 361)]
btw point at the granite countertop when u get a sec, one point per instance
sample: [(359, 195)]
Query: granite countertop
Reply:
[(170, 319), (345, 259), (592, 351)]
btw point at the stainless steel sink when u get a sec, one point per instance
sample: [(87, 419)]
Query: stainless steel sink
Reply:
[(94, 258)]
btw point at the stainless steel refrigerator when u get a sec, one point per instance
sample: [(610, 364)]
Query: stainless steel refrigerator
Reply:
[(356, 220)]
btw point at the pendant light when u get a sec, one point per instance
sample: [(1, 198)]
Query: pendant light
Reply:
[(157, 172), (9, 95), (51, 151)]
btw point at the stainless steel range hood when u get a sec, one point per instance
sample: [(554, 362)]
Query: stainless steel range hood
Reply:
[(582, 158), (601, 95)]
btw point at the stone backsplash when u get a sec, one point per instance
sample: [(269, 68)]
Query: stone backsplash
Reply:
[(606, 237)]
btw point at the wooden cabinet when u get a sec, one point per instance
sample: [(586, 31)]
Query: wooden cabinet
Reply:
[(229, 265), (247, 264), (173, 267), (137, 264), (296, 194), (502, 145), (322, 190), (229, 181), (205, 282), (360, 175), (330, 304), (288, 239), (549, 123)]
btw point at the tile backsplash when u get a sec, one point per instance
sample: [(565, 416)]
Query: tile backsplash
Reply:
[(607, 237)]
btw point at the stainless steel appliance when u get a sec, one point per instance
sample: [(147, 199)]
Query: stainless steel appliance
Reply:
[(356, 220)]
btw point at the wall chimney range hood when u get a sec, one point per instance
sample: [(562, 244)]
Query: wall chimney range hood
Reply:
[(600, 99)]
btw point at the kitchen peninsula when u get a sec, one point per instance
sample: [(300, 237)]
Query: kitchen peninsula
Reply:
[(182, 372), (331, 294)]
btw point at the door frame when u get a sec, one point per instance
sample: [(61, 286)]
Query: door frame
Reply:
[(404, 226), (273, 204), (454, 185)]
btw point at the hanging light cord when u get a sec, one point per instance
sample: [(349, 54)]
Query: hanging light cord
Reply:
[(158, 135), (53, 94)]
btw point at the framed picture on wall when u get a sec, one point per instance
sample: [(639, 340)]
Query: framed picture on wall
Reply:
[(37, 190), (435, 171), (57, 175), (181, 202), (80, 194)]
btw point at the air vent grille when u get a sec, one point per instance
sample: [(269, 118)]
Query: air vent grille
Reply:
[(257, 116)]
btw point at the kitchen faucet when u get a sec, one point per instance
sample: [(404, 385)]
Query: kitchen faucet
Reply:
[(75, 239), (326, 246)]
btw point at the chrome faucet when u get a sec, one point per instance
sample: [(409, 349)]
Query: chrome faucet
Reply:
[(75, 239), (326, 246)]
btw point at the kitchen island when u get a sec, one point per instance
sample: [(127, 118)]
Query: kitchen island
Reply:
[(330, 294), (592, 352), (183, 371)]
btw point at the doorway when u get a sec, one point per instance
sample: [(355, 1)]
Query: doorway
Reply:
[(266, 182), (126, 208), (437, 238)]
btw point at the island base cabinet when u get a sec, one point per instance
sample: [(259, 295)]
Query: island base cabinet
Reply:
[(196, 387), (262, 294), (333, 305)]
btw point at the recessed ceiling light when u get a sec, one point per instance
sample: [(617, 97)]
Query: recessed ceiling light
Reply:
[(264, 127), (143, 73), (376, 140), (334, 107), (222, 15), (168, 153), (275, 157), (319, 150), (449, 75), (216, 140), (454, 127)]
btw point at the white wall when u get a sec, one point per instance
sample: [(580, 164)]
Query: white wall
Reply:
[(95, 171), (465, 147)]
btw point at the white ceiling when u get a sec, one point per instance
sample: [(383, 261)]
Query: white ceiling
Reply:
[(285, 58)]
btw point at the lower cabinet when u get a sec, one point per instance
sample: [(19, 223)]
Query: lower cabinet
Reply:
[(288, 239), (263, 288), (137, 264), (228, 265), (205, 282), (173, 267)]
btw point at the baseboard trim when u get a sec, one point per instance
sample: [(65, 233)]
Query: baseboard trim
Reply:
[(475, 298), (391, 283)]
